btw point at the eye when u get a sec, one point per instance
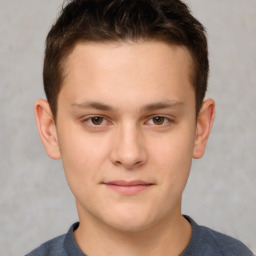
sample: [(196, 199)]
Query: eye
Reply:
[(159, 120), (96, 120)]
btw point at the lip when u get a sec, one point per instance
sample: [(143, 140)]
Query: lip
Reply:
[(128, 187)]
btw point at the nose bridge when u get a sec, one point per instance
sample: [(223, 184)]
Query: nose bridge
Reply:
[(128, 149)]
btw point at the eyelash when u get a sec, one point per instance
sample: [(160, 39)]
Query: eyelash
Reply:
[(165, 121), (88, 121)]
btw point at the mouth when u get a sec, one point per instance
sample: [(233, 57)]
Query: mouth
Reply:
[(128, 187)]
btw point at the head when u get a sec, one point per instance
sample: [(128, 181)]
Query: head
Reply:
[(169, 21), (125, 82)]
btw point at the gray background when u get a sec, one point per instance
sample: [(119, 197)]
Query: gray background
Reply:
[(36, 204)]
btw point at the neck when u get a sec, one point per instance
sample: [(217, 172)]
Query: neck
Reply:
[(170, 237)]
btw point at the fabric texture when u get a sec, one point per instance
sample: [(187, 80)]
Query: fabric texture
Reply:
[(204, 241)]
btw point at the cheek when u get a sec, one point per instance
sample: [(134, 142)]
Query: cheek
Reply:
[(82, 156), (172, 155)]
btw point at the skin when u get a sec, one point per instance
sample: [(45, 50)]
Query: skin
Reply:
[(126, 112)]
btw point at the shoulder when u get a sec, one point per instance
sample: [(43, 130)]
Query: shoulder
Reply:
[(227, 245), (206, 241), (52, 247)]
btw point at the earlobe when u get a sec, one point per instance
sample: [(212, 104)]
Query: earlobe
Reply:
[(203, 127), (46, 128)]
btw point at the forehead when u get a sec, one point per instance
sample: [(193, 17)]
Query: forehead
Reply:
[(143, 69), (110, 52)]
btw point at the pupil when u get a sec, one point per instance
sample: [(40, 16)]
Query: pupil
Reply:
[(158, 120), (97, 120)]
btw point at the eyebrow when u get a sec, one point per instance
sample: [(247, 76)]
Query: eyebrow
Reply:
[(146, 108), (95, 105), (161, 105)]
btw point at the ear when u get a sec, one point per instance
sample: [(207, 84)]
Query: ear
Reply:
[(46, 128), (203, 127)]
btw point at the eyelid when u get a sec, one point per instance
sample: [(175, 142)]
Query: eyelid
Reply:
[(88, 118), (168, 119), (106, 121)]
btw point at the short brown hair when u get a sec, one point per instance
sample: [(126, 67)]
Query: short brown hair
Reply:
[(113, 20)]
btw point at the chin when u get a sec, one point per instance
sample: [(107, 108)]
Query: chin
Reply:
[(129, 221), (129, 226)]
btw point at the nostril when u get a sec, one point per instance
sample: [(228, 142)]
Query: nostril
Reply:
[(129, 165), (138, 163), (118, 163)]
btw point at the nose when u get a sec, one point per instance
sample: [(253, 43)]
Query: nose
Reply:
[(128, 148)]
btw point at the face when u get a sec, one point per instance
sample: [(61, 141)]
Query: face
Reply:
[(126, 131)]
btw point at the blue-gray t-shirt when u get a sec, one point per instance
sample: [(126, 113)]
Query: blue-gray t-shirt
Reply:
[(203, 242)]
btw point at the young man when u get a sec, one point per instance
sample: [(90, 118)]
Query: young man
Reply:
[(125, 82)]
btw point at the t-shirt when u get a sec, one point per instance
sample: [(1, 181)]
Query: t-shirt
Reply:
[(203, 242)]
